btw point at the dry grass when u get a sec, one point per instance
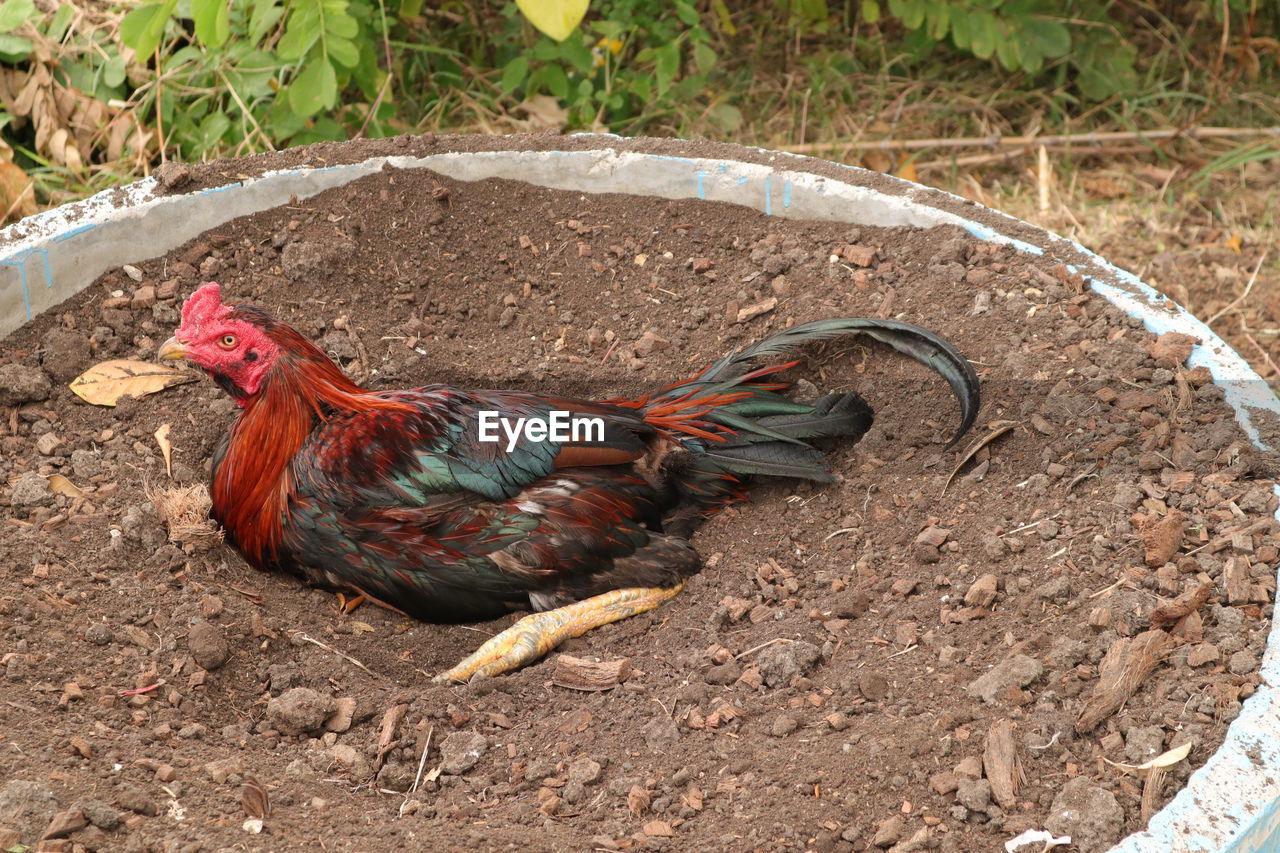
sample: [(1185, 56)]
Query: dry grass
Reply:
[(185, 510)]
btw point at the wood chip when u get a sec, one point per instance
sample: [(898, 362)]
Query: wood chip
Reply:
[(387, 730), (1163, 537), (1128, 663), (756, 309), (1001, 764), (1235, 578), (576, 673)]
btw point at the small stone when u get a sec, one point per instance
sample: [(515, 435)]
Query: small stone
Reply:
[(66, 822), (1242, 663), (299, 711), (166, 773), (969, 768), (21, 384), (1017, 671), (66, 353), (888, 832), (1203, 653), (783, 725), (143, 297), (944, 782), (47, 443), (1088, 813), (974, 794), (137, 800), (31, 490), (208, 646), (460, 751), (982, 592), (873, 686), (344, 710), (98, 633), (650, 343), (781, 662), (102, 815), (223, 769), (725, 673), (27, 807), (584, 771)]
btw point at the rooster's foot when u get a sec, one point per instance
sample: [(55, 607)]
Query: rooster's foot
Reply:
[(533, 636)]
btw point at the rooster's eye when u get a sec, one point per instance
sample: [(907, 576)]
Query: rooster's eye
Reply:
[(227, 341)]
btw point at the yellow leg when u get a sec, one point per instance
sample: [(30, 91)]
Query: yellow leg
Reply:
[(536, 634)]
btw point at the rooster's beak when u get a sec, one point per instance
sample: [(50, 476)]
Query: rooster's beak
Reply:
[(171, 350)]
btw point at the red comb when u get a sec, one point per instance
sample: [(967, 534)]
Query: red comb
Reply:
[(204, 306)]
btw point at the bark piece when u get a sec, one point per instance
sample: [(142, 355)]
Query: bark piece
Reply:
[(577, 673), (1128, 663), (1185, 604), (1001, 765)]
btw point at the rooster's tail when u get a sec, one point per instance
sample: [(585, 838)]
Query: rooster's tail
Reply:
[(733, 421)]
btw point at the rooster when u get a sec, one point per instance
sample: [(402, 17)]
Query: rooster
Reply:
[(406, 498)]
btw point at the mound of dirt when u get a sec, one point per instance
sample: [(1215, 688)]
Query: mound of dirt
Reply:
[(926, 655)]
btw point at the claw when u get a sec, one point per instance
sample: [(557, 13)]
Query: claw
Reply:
[(536, 634)]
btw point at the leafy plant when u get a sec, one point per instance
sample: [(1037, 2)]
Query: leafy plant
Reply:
[(1022, 35), (634, 55)]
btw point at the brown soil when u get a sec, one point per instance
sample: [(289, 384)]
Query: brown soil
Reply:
[(832, 679)]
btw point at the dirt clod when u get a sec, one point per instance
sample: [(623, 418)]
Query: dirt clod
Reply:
[(299, 711), (209, 648)]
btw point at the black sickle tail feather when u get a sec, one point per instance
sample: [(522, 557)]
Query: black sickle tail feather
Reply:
[(762, 432)]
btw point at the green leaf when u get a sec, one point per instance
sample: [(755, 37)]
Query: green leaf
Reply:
[(983, 29), (556, 80), (1049, 38), (301, 32), (940, 22), (666, 64), (870, 11), (314, 89), (61, 20), (265, 15), (1007, 51), (961, 28), (212, 23), (515, 72), (113, 71), (14, 48), (213, 128), (13, 13), (343, 51), (556, 18), (704, 57), (143, 27)]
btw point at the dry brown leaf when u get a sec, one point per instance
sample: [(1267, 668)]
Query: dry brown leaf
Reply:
[(60, 485), (166, 449), (105, 383)]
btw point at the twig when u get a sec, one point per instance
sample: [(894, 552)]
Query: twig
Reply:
[(1031, 525), (973, 451), (995, 140), (1275, 370), (1243, 296), (332, 650), (422, 762), (755, 649)]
